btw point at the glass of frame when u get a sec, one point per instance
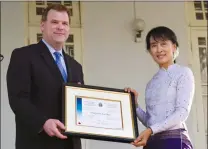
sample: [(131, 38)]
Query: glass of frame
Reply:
[(99, 113)]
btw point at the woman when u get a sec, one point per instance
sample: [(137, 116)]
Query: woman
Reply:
[(168, 96)]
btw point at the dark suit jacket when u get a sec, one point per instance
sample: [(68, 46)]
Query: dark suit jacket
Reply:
[(34, 85)]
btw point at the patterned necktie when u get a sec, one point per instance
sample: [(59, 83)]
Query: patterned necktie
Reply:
[(61, 68)]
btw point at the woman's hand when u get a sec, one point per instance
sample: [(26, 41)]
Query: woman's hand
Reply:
[(127, 89), (143, 138)]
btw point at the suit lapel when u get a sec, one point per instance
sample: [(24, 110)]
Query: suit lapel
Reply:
[(48, 59), (68, 67)]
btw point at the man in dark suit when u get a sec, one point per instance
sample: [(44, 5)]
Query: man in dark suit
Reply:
[(35, 77)]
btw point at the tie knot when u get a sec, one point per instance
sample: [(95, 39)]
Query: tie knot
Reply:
[(57, 55)]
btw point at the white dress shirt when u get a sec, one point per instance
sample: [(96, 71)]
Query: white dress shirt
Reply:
[(52, 50), (168, 98)]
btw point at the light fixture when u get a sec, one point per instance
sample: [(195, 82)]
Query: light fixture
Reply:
[(139, 26)]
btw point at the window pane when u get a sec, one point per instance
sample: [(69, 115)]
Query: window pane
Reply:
[(39, 37), (70, 39), (53, 2), (199, 16), (201, 41), (205, 5), (70, 12), (39, 10), (40, 3), (68, 3), (204, 89), (197, 5), (203, 64), (70, 50)]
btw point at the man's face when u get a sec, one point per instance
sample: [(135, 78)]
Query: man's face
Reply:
[(56, 27)]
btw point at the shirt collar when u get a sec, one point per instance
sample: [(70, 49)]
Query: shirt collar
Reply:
[(51, 49), (170, 68), (170, 71)]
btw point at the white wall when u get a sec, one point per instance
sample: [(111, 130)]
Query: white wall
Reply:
[(12, 36), (111, 58)]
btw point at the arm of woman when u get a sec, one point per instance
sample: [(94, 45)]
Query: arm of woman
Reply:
[(184, 98), (140, 113), (142, 116)]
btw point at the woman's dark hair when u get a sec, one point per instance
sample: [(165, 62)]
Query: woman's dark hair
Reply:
[(161, 33)]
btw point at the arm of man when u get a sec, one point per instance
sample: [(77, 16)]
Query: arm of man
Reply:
[(19, 88), (81, 76)]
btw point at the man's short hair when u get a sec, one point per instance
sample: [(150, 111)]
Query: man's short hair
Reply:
[(57, 7)]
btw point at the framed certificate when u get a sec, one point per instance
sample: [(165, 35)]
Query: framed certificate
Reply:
[(99, 113)]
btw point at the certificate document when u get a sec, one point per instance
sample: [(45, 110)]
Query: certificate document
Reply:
[(99, 113), (92, 112)]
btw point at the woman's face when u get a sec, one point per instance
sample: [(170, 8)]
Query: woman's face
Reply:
[(162, 51)]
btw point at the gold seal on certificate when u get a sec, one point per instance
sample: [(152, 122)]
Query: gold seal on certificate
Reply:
[(99, 113)]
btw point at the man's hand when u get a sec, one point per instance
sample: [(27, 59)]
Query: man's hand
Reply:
[(52, 127), (142, 139)]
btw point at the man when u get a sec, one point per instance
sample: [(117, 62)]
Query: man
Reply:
[(34, 80)]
